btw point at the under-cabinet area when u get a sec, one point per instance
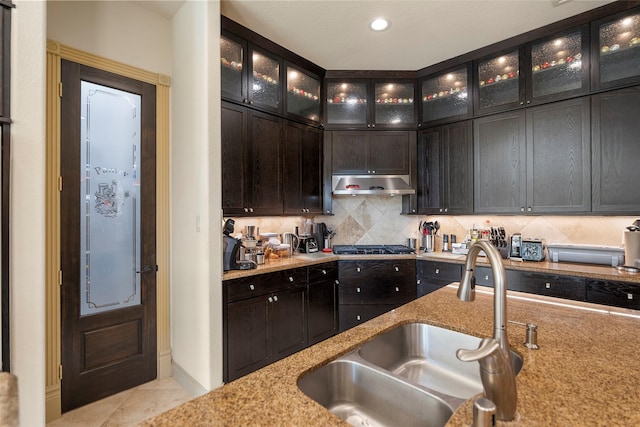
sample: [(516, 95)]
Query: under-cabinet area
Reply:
[(270, 315)]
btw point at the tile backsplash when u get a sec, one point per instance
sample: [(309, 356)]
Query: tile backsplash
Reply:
[(377, 220)]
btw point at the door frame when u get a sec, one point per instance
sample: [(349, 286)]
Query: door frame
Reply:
[(55, 53)]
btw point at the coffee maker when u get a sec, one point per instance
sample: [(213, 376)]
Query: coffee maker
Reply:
[(231, 249)]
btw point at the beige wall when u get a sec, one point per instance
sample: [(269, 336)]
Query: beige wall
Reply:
[(27, 215), (117, 30), (196, 263)]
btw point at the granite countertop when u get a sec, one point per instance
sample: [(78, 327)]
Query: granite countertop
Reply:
[(586, 371), (591, 271)]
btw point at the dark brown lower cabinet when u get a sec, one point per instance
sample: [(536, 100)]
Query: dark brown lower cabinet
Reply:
[(433, 275), (270, 316), (265, 320), (323, 302), (618, 294), (551, 285), (369, 288)]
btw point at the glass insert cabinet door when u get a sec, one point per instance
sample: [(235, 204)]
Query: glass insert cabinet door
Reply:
[(265, 83), (498, 81), (303, 94), (445, 96), (394, 103), (232, 68), (619, 50), (347, 103), (558, 66), (109, 199)]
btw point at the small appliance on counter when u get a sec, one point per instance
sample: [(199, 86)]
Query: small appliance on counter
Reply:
[(586, 254), (231, 250), (522, 249), (308, 244)]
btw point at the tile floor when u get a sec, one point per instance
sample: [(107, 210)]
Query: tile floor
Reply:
[(127, 408)]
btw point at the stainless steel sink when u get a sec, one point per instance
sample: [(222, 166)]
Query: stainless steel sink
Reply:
[(407, 376), (426, 355), (365, 396)]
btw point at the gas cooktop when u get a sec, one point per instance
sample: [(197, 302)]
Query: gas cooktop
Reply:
[(371, 250)]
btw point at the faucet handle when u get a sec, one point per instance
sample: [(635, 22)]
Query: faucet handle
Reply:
[(487, 347), (532, 335)]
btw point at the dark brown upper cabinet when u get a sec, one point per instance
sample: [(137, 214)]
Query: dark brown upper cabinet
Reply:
[(446, 96), (262, 75), (559, 66), (370, 104), (548, 69), (233, 68), (265, 80), (499, 82), (616, 50), (249, 74), (303, 94)]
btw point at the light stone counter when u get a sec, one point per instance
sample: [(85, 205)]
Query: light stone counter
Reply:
[(563, 268), (586, 371)]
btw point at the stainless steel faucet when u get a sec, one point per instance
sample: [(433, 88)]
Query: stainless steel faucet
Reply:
[(494, 354)]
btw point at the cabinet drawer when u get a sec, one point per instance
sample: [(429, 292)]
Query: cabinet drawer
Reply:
[(547, 284), (618, 294), (353, 315), (439, 270), (379, 270), (323, 272), (247, 287), (484, 276), (375, 292)]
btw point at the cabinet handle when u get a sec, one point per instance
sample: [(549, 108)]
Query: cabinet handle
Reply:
[(251, 287), (246, 210), (397, 289), (373, 171), (324, 272), (446, 210), (290, 279), (358, 290), (486, 277), (521, 102), (373, 125), (251, 210), (358, 317), (275, 298), (547, 285), (522, 209), (529, 209), (629, 296), (441, 210), (358, 269), (418, 281), (337, 282), (437, 271), (270, 299), (528, 101), (368, 126), (397, 269)]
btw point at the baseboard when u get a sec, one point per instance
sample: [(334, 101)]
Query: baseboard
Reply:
[(53, 402), (193, 387), (164, 364)]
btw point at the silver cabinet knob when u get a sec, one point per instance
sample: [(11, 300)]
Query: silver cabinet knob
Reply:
[(358, 317), (397, 269), (358, 290), (275, 298), (397, 289), (290, 279), (251, 287), (437, 271), (270, 299), (324, 272), (358, 269), (547, 285)]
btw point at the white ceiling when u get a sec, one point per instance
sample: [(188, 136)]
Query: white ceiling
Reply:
[(334, 34)]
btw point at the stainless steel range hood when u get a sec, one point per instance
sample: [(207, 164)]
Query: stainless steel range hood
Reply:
[(371, 185)]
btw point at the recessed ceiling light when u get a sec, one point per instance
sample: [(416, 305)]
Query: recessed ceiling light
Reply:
[(379, 24)]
